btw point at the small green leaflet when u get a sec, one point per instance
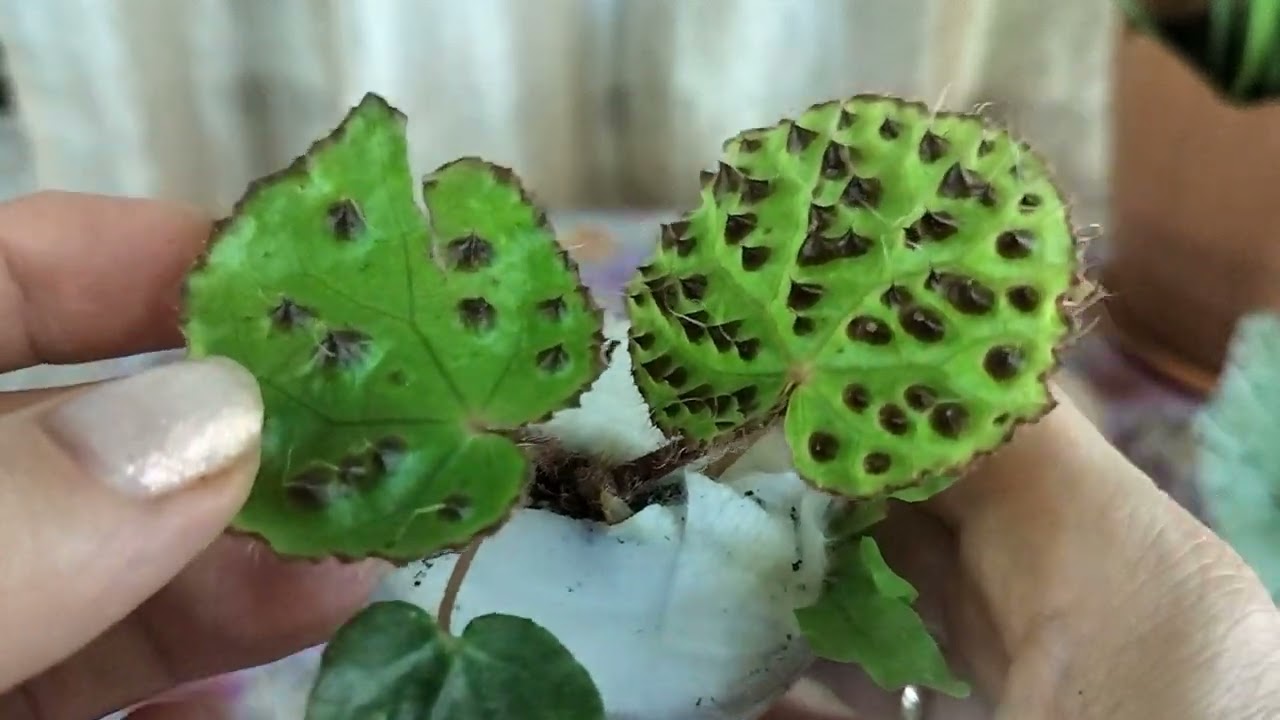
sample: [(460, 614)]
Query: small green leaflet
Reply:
[(864, 616), (393, 662), (392, 351), (1239, 463)]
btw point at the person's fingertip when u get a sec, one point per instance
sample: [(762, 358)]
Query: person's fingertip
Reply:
[(161, 430)]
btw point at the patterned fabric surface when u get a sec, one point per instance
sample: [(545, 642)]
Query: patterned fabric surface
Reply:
[(1148, 420)]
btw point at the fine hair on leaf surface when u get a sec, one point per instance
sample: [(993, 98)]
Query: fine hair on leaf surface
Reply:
[(894, 283), (395, 349)]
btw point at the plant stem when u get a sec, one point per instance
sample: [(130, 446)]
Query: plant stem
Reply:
[(445, 615)]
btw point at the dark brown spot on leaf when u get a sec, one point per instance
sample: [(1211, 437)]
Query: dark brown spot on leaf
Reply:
[(890, 129), (799, 138), (675, 236), (896, 296), (1029, 202), (722, 336), (802, 326), (1015, 244), (701, 392), (342, 348), (1003, 362), (856, 397), (823, 446), (932, 147), (476, 313), (867, 329), (894, 420), (985, 147), (677, 378), (746, 398), (644, 341), (949, 419), (920, 397), (923, 324), (877, 463), (754, 190), (664, 295), (1024, 298), (748, 349), (737, 227), (553, 359), (822, 217), (694, 287), (693, 331), (694, 406), (553, 309), (837, 160), (911, 237), (847, 118), (1001, 419), (937, 225), (454, 508), (345, 219), (969, 296), (750, 144), (754, 258), (863, 192), (658, 367), (728, 180), (388, 451), (288, 314), (313, 488), (819, 250), (470, 253), (960, 183), (803, 296)]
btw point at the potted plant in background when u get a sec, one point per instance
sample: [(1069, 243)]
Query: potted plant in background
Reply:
[(1195, 237), (659, 513)]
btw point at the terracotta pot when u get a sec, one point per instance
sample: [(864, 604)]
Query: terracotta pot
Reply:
[(1195, 217)]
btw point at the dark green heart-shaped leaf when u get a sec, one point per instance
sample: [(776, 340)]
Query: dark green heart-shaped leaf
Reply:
[(391, 349), (392, 662), (891, 278), (864, 616)]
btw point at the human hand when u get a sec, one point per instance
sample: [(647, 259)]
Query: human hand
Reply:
[(1067, 585), (116, 581)]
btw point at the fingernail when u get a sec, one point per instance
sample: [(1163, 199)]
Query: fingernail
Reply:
[(160, 430)]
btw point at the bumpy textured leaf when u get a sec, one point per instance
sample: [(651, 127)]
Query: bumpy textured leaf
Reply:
[(1239, 455), (865, 617), (392, 662), (390, 350), (891, 278)]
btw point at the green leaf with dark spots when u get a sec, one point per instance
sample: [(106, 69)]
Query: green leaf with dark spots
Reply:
[(896, 282), (864, 616), (392, 350), (393, 662)]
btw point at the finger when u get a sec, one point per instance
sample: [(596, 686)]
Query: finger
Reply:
[(107, 493), (84, 277), (236, 606), (809, 699), (1097, 579), (11, 402)]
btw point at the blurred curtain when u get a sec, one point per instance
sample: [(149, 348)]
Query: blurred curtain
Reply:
[(597, 103)]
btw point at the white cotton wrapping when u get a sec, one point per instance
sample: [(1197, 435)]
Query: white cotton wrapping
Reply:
[(680, 612)]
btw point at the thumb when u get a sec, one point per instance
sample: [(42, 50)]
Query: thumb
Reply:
[(109, 491)]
